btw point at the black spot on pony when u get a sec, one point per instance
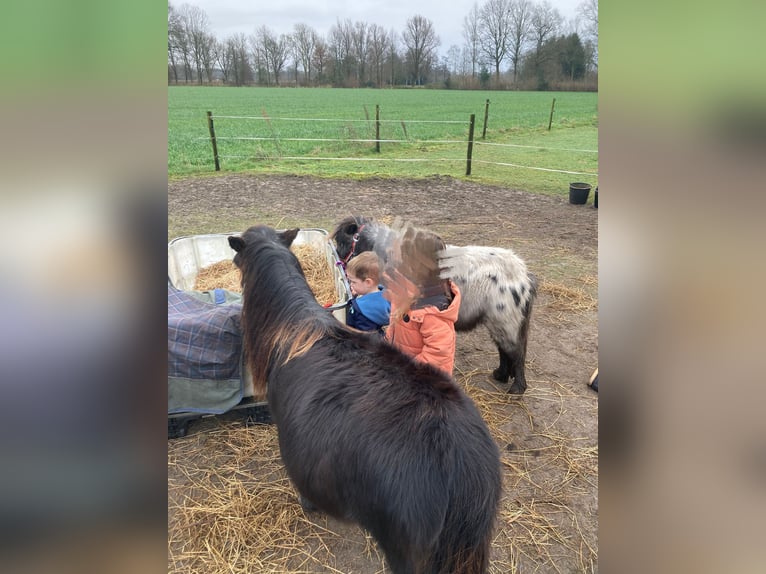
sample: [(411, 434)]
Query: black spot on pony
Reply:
[(497, 290), (365, 432)]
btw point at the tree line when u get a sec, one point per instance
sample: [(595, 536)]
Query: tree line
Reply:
[(507, 44)]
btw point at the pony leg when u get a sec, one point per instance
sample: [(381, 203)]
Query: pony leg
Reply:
[(518, 357), (399, 560), (502, 373), (306, 504), (512, 366)]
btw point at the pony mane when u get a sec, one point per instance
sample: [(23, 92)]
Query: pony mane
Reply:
[(286, 318)]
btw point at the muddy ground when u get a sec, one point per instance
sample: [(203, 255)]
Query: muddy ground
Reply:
[(548, 437)]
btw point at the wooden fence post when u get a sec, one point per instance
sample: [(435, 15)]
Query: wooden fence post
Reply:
[(377, 128), (470, 145), (486, 114), (550, 121), (212, 139)]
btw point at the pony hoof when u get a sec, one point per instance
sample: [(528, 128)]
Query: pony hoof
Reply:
[(500, 376), (516, 389)]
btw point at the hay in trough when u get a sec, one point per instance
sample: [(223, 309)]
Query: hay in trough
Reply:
[(319, 275), (220, 275)]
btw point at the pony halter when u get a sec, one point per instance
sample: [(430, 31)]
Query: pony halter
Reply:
[(354, 241)]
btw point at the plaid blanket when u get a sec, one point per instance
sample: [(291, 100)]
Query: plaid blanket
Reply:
[(204, 353)]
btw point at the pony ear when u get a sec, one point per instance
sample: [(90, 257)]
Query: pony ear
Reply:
[(351, 228), (287, 237), (236, 243)]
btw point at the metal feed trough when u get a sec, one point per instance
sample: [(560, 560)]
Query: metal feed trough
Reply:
[(186, 257)]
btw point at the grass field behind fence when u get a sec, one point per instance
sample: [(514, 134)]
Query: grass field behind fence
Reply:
[(416, 116)]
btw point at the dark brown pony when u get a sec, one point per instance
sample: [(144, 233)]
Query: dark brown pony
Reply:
[(366, 433)]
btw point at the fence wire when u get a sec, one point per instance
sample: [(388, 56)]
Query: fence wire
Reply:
[(278, 139)]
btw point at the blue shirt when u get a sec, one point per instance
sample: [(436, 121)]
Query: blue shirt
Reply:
[(369, 312)]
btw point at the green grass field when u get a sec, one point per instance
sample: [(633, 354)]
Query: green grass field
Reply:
[(327, 120)]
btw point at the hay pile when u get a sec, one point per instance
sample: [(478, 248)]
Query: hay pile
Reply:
[(570, 299), (319, 275), (232, 509)]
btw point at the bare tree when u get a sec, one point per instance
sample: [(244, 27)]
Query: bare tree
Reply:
[(341, 46), (241, 71), (466, 63), (175, 40), (359, 49), (393, 54), (471, 26), (198, 38), (304, 38), (274, 51), (520, 19), (588, 11), (181, 41), (377, 42), (260, 64), (223, 58), (420, 42), (320, 59), (208, 43), (453, 60), (495, 20), (545, 23)]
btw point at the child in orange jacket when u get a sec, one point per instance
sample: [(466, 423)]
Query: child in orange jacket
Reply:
[(424, 307)]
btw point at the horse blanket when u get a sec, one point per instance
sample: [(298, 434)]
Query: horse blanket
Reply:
[(204, 351)]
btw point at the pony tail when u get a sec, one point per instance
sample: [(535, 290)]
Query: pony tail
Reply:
[(459, 561), (466, 535)]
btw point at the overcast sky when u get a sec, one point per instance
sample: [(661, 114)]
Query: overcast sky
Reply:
[(232, 16)]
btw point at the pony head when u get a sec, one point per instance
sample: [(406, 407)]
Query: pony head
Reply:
[(255, 235), (350, 237), (275, 291)]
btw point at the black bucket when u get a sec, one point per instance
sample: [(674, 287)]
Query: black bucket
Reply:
[(595, 198), (578, 193)]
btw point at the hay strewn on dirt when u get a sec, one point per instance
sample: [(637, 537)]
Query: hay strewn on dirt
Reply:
[(239, 520), (243, 516), (569, 298), (319, 275)]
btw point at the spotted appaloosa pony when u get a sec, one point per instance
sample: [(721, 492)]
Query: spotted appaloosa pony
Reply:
[(497, 290), (365, 432)]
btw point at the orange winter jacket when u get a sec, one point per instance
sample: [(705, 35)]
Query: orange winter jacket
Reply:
[(428, 334)]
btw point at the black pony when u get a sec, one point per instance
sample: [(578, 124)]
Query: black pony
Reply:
[(497, 290), (365, 432)]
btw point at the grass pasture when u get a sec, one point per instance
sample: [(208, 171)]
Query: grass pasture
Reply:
[(434, 124)]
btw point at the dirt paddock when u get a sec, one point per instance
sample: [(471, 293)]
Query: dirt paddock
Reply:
[(230, 505)]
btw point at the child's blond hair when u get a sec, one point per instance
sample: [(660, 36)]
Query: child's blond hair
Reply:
[(365, 265)]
